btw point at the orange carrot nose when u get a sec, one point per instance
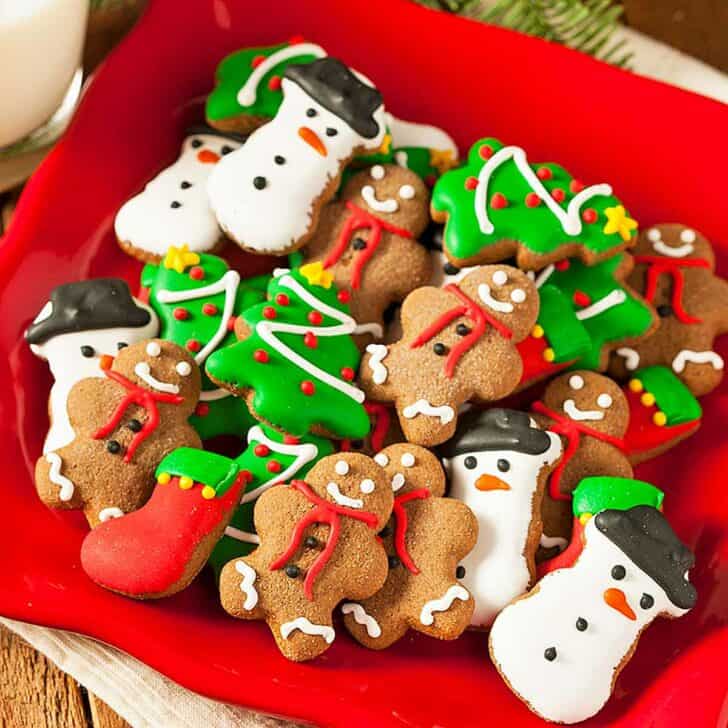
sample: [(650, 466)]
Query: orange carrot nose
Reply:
[(105, 361), (491, 482), (207, 157), (312, 138), (616, 599)]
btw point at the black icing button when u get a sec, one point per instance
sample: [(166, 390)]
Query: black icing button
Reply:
[(311, 542), (359, 244), (664, 310), (440, 349), (134, 425), (259, 182), (647, 601), (113, 447), (462, 330), (279, 160), (385, 532), (550, 654), (175, 205), (293, 571)]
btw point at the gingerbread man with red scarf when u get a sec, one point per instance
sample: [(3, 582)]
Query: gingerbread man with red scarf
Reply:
[(675, 271), (458, 345), (368, 240)]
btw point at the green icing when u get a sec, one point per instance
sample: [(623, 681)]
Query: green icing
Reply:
[(295, 461), (214, 417), (278, 382), (671, 395), (216, 471), (596, 494), (565, 333), (626, 318), (536, 228)]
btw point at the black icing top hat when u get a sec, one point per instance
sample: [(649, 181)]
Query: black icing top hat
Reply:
[(101, 303), (194, 129), (645, 536), (333, 85), (496, 429)]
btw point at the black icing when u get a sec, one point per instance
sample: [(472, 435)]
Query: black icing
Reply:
[(496, 429), (101, 303), (643, 534), (204, 129), (333, 85)]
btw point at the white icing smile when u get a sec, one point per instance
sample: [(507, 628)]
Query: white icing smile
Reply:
[(490, 302), (144, 372), (343, 500), (680, 252), (444, 412), (370, 197), (578, 414)]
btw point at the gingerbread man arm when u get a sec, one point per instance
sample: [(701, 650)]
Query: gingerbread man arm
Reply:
[(718, 295), (91, 403)]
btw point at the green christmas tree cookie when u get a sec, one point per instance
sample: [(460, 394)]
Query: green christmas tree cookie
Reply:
[(197, 298), (270, 458), (297, 360), (498, 205)]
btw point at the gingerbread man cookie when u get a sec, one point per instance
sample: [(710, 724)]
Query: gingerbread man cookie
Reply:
[(675, 271), (318, 545), (124, 424), (458, 344), (425, 539)]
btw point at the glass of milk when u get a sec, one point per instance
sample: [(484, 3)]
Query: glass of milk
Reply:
[(41, 42)]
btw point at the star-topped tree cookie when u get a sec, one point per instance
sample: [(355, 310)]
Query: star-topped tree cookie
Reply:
[(499, 204), (296, 362), (198, 298)]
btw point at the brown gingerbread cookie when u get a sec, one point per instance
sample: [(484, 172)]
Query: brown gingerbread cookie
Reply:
[(590, 413), (425, 539), (675, 272), (124, 423), (368, 240), (318, 545), (458, 344)]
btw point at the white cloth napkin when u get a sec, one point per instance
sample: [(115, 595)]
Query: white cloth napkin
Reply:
[(147, 699)]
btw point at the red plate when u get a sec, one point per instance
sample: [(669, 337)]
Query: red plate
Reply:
[(663, 149)]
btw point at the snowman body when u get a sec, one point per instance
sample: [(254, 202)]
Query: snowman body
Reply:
[(497, 569), (173, 209), (265, 194), (561, 647)]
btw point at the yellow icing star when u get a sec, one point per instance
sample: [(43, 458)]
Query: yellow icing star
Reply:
[(386, 144), (180, 258), (442, 159), (317, 275), (619, 222)]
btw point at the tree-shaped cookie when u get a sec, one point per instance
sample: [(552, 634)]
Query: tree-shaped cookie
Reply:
[(368, 240), (198, 298), (124, 424), (675, 272), (425, 539), (318, 546), (498, 205), (296, 361), (458, 345)]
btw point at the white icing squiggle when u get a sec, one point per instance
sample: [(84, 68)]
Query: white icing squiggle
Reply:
[(247, 585), (548, 542), (631, 357), (379, 371), (456, 591), (55, 476), (144, 372), (370, 197), (106, 514), (307, 627), (244, 536), (612, 299), (361, 617), (686, 356), (422, 407)]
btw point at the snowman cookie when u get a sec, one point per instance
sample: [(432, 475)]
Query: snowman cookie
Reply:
[(561, 647), (173, 208), (267, 195), (498, 463), (82, 325)]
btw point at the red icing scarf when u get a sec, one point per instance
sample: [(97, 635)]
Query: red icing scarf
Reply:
[(480, 317), (361, 220), (656, 266), (572, 431), (138, 395), (400, 525), (323, 512)]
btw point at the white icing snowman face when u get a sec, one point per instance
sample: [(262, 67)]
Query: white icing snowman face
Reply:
[(501, 294), (207, 148), (576, 412), (661, 247)]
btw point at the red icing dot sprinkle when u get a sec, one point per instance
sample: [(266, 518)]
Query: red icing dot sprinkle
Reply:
[(291, 439), (273, 466), (307, 387), (471, 183), (486, 151), (261, 356), (202, 409), (269, 312), (196, 273), (576, 186), (209, 309), (589, 215), (261, 450), (562, 265), (231, 323), (347, 373), (532, 200), (257, 60), (193, 345), (275, 83), (544, 173), (310, 340), (558, 194), (344, 296), (498, 201), (282, 299), (315, 317), (246, 475), (581, 299), (181, 314)]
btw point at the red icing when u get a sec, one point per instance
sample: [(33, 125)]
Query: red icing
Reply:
[(193, 345), (400, 525), (576, 186), (343, 296), (261, 450), (581, 299), (282, 299), (142, 397), (544, 173), (498, 201), (310, 340), (291, 439), (562, 265), (359, 219), (269, 312), (209, 309), (261, 356), (471, 183), (257, 60), (315, 317), (275, 83), (202, 409), (231, 323), (273, 466), (181, 314), (308, 387), (535, 367), (197, 273), (589, 215), (348, 374), (379, 414), (486, 151), (323, 511), (558, 194), (532, 200)]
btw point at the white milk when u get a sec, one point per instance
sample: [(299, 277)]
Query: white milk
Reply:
[(40, 50)]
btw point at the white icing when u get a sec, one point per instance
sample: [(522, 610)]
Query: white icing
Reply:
[(500, 278), (247, 585), (244, 536), (686, 356), (570, 218), (407, 192), (580, 415), (411, 134), (612, 299), (374, 329), (443, 412), (107, 514), (576, 684), (57, 478), (401, 158), (456, 591), (667, 250), (398, 481), (249, 90), (213, 395), (490, 302), (604, 400), (549, 542), (183, 368), (687, 236), (367, 486), (379, 372), (407, 459), (544, 275), (369, 196), (361, 617), (576, 382), (144, 372), (343, 500), (153, 348), (341, 467), (518, 295), (377, 172), (308, 627), (381, 459), (631, 357), (653, 234)]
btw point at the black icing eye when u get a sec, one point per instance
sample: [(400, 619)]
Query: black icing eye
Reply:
[(581, 624), (122, 345), (226, 149), (618, 572), (460, 572), (259, 182), (647, 601), (185, 185), (470, 462), (330, 131), (503, 465), (196, 143), (311, 112), (462, 330), (174, 205), (549, 654), (440, 349), (450, 269), (279, 160), (87, 351)]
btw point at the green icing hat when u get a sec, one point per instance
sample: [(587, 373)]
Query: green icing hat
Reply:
[(600, 493), (215, 471)]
